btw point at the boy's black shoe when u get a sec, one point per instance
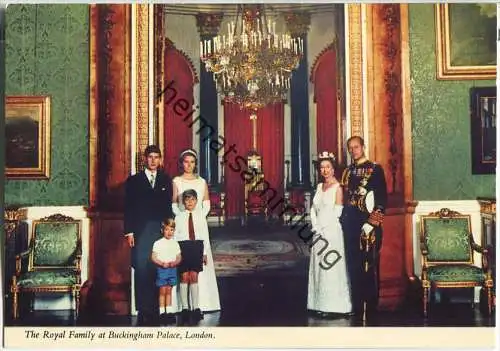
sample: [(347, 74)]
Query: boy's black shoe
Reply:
[(194, 316), (197, 314), (163, 318), (169, 318), (184, 320)]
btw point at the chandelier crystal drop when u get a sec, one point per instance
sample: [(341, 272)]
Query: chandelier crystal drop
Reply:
[(252, 64)]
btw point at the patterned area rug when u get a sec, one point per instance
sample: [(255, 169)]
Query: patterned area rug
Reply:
[(246, 256)]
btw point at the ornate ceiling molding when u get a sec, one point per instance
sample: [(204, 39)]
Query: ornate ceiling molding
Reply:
[(209, 23), (298, 22)]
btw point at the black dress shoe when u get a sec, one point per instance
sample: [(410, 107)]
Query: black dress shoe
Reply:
[(194, 317), (314, 313), (140, 319), (184, 317), (327, 315), (169, 318), (197, 314)]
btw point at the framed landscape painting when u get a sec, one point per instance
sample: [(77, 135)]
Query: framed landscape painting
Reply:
[(27, 137), (483, 103), (466, 36)]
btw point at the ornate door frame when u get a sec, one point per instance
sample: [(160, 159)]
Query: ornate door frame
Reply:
[(124, 86)]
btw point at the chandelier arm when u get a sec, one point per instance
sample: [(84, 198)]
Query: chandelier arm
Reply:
[(264, 20), (239, 11)]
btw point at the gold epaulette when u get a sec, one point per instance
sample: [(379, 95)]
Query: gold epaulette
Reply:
[(345, 177)]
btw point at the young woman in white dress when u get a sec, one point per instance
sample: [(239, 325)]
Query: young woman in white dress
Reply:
[(328, 286), (189, 179)]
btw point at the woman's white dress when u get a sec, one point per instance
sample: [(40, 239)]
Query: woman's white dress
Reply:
[(207, 281), (328, 289)]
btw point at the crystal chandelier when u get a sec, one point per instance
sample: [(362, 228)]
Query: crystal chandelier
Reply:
[(252, 64)]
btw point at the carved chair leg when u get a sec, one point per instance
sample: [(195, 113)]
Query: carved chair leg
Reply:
[(77, 302), (490, 300), (426, 301), (15, 304), (31, 302)]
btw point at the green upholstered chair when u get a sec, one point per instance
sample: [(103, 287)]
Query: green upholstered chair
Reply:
[(447, 246), (52, 262)]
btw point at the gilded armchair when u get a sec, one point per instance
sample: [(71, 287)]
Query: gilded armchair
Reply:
[(52, 262), (217, 204), (447, 247)]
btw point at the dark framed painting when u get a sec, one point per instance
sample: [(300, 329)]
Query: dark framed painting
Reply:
[(466, 35), (483, 102), (27, 137)]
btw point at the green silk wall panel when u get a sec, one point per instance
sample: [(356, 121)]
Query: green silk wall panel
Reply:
[(47, 53), (440, 121)]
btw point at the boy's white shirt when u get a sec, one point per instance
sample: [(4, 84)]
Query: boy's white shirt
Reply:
[(166, 249), (200, 227)]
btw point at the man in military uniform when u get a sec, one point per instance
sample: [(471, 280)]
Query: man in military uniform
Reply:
[(365, 201)]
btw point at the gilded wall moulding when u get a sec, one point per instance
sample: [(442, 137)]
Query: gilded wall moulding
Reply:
[(142, 80), (209, 23), (355, 68), (298, 22), (392, 81)]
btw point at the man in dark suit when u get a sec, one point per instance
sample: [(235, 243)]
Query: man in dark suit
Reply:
[(148, 200)]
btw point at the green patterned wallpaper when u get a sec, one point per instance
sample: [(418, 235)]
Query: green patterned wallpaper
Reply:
[(441, 122), (47, 53)]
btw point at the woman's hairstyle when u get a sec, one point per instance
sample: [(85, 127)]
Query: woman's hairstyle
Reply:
[(325, 156), (168, 222), (189, 193), (188, 152)]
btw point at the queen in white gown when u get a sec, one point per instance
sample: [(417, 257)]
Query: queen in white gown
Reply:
[(328, 286), (207, 282)]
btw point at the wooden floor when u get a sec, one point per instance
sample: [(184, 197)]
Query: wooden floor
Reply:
[(277, 300)]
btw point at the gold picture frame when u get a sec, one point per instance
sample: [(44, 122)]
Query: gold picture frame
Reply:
[(459, 56), (27, 137)]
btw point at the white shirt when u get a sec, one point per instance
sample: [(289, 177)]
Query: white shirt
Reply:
[(199, 224), (150, 174), (166, 249)]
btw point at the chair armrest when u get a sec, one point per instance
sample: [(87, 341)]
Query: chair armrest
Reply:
[(484, 253), (78, 263), (78, 256), (423, 248), (485, 258), (19, 258), (478, 248)]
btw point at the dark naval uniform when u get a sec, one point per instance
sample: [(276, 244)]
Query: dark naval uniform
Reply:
[(145, 208), (359, 180)]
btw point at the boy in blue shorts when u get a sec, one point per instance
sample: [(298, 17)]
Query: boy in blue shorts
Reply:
[(167, 256)]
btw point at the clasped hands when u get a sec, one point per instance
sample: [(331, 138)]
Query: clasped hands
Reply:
[(170, 264)]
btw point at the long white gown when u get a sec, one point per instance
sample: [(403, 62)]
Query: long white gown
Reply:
[(328, 289), (207, 282)]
